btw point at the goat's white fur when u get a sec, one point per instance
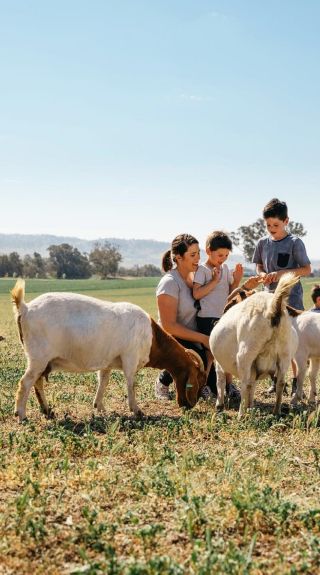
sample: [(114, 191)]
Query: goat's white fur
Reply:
[(246, 344), (77, 333), (307, 326)]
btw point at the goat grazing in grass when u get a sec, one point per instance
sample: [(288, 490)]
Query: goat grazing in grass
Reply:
[(77, 333)]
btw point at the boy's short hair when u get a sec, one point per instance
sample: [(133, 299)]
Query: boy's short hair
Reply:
[(276, 209), (217, 240), (315, 292)]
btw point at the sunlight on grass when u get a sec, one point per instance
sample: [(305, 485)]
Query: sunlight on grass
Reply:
[(173, 493)]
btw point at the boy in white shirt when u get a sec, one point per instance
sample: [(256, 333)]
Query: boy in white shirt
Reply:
[(212, 283)]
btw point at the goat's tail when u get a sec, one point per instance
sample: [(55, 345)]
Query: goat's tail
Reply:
[(280, 297), (17, 295)]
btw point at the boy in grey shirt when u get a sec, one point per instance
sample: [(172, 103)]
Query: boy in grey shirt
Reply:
[(278, 253)]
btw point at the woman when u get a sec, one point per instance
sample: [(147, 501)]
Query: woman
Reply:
[(177, 313)]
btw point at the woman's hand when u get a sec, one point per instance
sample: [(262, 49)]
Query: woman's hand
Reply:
[(204, 340)]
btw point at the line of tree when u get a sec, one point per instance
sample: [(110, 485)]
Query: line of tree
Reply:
[(66, 262)]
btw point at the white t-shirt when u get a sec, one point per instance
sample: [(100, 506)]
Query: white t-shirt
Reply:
[(173, 284), (212, 305)]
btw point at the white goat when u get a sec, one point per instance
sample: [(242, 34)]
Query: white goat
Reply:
[(76, 333), (255, 338), (307, 325)]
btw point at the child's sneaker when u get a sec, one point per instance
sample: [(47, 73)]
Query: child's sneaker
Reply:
[(162, 391), (233, 392), (205, 393), (272, 388)]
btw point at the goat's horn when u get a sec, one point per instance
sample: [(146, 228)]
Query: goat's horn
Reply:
[(233, 293), (198, 356)]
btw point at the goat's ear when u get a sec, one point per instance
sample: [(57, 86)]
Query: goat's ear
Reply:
[(230, 304), (192, 393), (196, 358), (293, 312)]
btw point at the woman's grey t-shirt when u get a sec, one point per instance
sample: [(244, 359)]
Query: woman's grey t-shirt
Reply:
[(173, 284), (288, 253)]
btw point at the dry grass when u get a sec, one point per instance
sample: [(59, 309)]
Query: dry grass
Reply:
[(173, 493)]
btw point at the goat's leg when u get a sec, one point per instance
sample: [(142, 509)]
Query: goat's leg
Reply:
[(103, 378), (133, 406), (130, 367), (313, 373), (221, 386), (245, 397), (245, 373), (279, 391), (26, 382), (302, 370), (251, 390), (38, 386)]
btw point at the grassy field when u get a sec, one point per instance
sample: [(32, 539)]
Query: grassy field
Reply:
[(174, 493)]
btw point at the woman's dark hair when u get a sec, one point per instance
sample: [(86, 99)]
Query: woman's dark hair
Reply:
[(315, 292), (179, 246), (276, 209), (217, 240)]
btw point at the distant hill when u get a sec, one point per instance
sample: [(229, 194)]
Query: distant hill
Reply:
[(134, 252)]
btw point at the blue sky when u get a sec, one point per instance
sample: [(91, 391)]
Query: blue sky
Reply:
[(148, 118)]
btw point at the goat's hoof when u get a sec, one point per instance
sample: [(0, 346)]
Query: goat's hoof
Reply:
[(100, 409), (295, 400), (23, 420), (139, 414), (285, 408), (220, 408), (50, 414)]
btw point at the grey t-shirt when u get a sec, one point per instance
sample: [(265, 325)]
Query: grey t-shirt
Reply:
[(212, 305), (172, 284), (288, 253)]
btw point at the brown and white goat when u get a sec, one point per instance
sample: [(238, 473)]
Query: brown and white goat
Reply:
[(77, 333)]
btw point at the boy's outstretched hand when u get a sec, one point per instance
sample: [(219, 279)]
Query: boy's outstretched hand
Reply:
[(270, 278), (238, 273), (252, 282)]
